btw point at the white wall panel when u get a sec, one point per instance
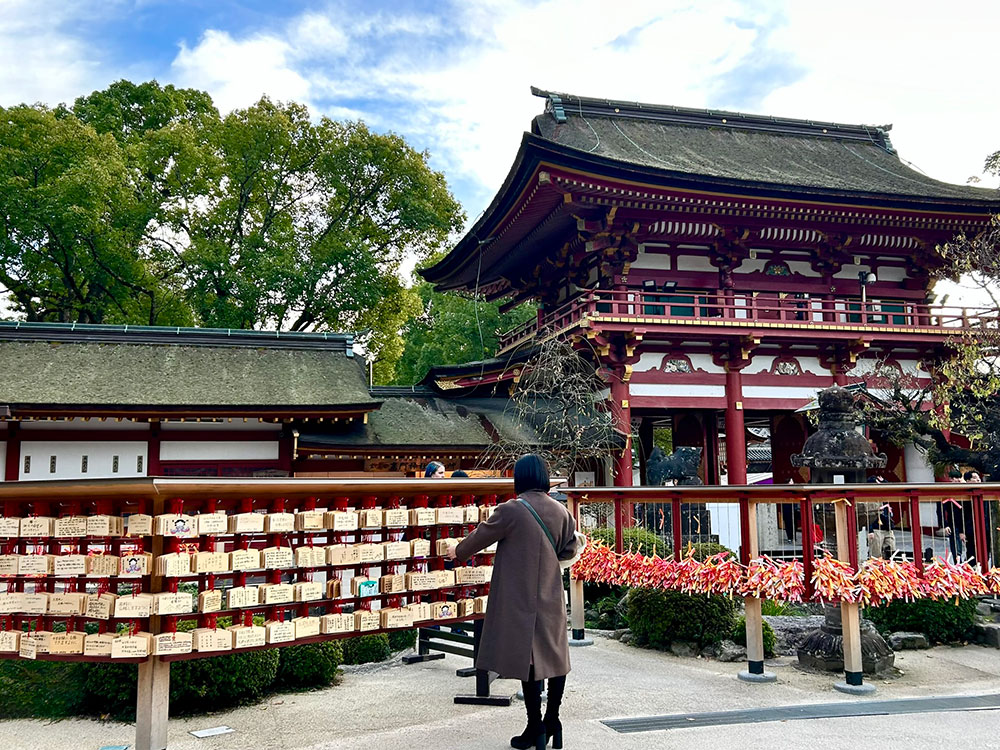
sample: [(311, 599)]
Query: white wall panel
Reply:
[(206, 450), (69, 459)]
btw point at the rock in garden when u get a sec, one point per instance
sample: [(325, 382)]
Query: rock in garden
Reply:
[(904, 640), (790, 631), (684, 648), (730, 651)]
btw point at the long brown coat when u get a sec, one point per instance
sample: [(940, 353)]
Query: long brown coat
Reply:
[(526, 617)]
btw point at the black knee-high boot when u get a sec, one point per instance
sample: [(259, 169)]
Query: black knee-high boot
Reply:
[(533, 735), (553, 727)]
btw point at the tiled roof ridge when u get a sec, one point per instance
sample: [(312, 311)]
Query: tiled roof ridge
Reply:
[(89, 333), (560, 105)]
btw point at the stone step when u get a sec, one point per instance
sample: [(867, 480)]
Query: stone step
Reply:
[(988, 633)]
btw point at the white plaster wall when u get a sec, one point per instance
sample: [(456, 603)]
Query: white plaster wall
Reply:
[(221, 450), (695, 263), (760, 363), (778, 391), (803, 268), (866, 366), (919, 470), (764, 363), (69, 459), (751, 265), (891, 273), (659, 261), (850, 271), (652, 361), (687, 391)]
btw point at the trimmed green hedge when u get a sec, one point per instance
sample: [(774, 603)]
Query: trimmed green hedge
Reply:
[(658, 617), (941, 622), (310, 665), (740, 635), (365, 649), (400, 640)]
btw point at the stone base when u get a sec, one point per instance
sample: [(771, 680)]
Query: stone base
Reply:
[(581, 642), (747, 676), (824, 649), (864, 689)]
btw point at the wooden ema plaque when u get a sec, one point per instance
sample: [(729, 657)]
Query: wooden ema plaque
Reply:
[(442, 545), (363, 586), (134, 646), (70, 565), (471, 514), (310, 557), (370, 518), (34, 604), (370, 553), (445, 578), (421, 611), (396, 550), (34, 643), (172, 643), (307, 591), (420, 581), (139, 524), (451, 516), (210, 600), (342, 554), (212, 523), (279, 632), (242, 596), (479, 604), (134, 605), (135, 564), (248, 636), (9, 565), (341, 520), (244, 559), (337, 623), (10, 603), (420, 547), (365, 620), (73, 604), (173, 565), (246, 523), (305, 627), (333, 588), (67, 643), (98, 644), (444, 610), (279, 523), (473, 576), (485, 511), (167, 603), (100, 607), (310, 520), (10, 641), (209, 562), (422, 517), (396, 518), (211, 639), (277, 558), (104, 526), (466, 607), (10, 527), (35, 565), (391, 583), (70, 527), (396, 618), (177, 525), (104, 566), (276, 593), (36, 527)]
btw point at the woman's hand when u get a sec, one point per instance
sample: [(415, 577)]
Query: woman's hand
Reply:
[(450, 554)]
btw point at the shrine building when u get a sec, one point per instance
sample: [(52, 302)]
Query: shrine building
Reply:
[(720, 267)]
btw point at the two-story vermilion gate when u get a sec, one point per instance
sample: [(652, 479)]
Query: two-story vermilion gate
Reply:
[(720, 266)]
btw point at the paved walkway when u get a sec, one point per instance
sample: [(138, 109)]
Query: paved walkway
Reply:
[(396, 707)]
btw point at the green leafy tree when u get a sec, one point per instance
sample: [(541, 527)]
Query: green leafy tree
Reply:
[(452, 329)]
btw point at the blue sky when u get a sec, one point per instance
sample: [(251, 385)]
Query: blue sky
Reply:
[(453, 77)]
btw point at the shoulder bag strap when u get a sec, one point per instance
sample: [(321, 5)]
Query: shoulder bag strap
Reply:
[(548, 534)]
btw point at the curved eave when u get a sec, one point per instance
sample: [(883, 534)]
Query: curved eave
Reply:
[(536, 152)]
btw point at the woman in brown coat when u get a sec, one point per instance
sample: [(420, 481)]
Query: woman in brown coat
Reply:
[(524, 635)]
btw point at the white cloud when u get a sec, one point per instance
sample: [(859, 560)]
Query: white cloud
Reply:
[(238, 73)]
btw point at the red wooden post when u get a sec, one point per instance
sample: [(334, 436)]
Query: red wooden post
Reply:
[(736, 449), (619, 539), (805, 509), (979, 527), (744, 530), (675, 526), (852, 531), (916, 533), (12, 464)]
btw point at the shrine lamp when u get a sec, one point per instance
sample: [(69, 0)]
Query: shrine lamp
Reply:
[(865, 278), (669, 286)]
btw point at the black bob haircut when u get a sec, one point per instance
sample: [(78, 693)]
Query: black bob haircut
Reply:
[(531, 473)]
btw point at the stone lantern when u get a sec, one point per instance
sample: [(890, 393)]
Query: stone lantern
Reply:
[(838, 454)]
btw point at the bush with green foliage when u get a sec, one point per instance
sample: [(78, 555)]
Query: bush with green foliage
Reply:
[(219, 681), (400, 640), (740, 635), (309, 665), (41, 689), (365, 649), (658, 617), (941, 622)]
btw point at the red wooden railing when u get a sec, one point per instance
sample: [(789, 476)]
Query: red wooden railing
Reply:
[(741, 309)]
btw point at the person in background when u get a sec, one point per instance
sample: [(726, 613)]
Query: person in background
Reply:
[(881, 533), (956, 517), (524, 635), (459, 474), (973, 477), (434, 470)]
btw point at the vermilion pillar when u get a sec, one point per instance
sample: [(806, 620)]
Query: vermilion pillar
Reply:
[(736, 446), (12, 467), (623, 421)]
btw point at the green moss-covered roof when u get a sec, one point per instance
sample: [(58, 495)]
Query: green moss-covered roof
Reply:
[(34, 372)]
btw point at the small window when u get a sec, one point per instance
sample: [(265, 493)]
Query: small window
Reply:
[(27, 464), (52, 464), (114, 464), (83, 464), (138, 464)]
